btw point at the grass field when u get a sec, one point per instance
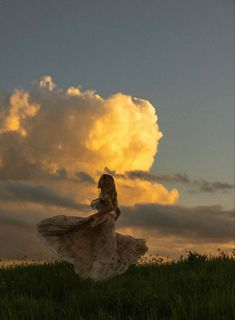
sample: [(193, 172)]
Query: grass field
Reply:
[(194, 287)]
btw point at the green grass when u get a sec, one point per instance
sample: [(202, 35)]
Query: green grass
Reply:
[(194, 287)]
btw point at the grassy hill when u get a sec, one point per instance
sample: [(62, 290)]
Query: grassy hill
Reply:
[(194, 287)]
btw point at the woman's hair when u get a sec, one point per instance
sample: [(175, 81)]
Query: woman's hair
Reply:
[(108, 189)]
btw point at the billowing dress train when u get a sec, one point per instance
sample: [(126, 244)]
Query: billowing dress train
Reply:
[(91, 244)]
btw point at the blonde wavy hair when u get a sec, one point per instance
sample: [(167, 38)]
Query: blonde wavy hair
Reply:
[(108, 190)]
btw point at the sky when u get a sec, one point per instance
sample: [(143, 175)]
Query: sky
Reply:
[(143, 90)]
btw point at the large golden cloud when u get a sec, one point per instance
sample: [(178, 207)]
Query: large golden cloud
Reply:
[(53, 130)]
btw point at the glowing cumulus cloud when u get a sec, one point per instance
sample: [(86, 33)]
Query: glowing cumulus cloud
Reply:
[(19, 109), (137, 191), (72, 131), (126, 133)]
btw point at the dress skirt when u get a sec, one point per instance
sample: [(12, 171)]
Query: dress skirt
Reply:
[(91, 244)]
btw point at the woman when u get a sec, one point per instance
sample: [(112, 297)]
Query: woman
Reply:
[(91, 243), (108, 196)]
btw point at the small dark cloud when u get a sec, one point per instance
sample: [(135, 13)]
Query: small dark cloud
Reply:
[(61, 173), (84, 177), (195, 185), (210, 187), (29, 192)]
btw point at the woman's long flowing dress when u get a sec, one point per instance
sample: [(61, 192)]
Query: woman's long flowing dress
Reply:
[(91, 244)]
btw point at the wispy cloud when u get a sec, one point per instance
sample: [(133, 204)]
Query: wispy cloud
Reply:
[(202, 222), (29, 192), (196, 185), (210, 187)]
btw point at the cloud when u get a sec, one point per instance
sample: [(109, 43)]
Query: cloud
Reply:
[(18, 234), (143, 175), (55, 143), (148, 176), (29, 192), (198, 185), (130, 193), (21, 241), (84, 132), (210, 187), (19, 110), (46, 83), (85, 177), (8, 219), (65, 138), (205, 223), (168, 230)]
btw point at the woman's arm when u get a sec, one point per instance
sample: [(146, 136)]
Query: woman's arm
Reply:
[(102, 205), (118, 212)]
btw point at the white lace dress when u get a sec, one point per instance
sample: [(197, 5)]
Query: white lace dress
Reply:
[(91, 244)]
